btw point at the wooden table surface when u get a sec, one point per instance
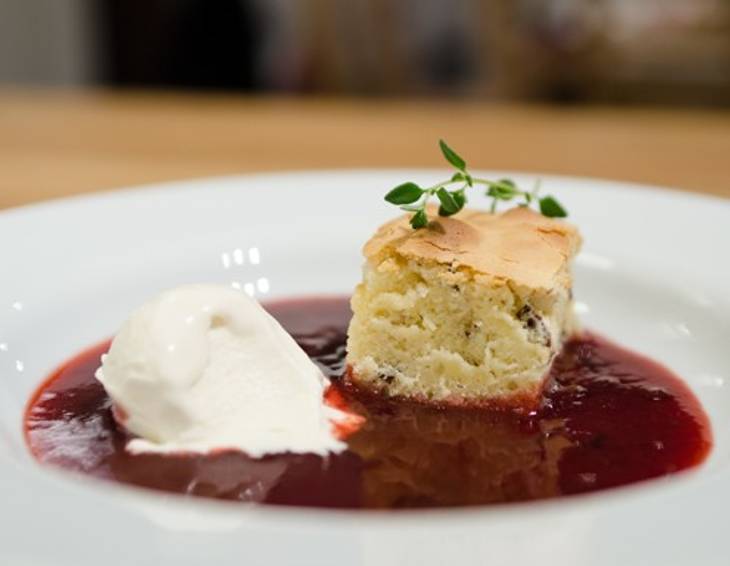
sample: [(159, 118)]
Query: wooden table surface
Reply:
[(57, 143)]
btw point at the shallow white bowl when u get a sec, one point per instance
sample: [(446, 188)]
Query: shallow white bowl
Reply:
[(653, 275)]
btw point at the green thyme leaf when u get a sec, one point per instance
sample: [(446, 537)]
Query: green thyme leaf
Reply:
[(551, 208), (448, 204), (494, 192), (419, 219), (405, 194), (458, 176), (460, 198), (452, 157), (503, 190)]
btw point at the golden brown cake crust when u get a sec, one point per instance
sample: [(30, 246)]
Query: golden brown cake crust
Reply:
[(519, 246)]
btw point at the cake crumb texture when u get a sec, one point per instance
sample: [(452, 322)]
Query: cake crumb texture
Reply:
[(471, 309)]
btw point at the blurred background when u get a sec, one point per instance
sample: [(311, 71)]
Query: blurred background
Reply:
[(103, 93), (566, 51)]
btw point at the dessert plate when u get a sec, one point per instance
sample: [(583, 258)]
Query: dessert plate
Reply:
[(652, 276)]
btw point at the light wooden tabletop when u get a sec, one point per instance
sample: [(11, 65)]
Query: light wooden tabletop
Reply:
[(58, 143)]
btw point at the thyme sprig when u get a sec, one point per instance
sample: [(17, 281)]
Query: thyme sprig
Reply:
[(413, 198)]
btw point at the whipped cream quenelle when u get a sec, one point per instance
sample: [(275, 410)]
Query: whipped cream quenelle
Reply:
[(205, 367)]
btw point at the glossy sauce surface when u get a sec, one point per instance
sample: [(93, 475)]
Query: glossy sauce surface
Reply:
[(609, 417)]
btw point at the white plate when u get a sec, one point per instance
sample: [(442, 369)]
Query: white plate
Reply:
[(654, 276)]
